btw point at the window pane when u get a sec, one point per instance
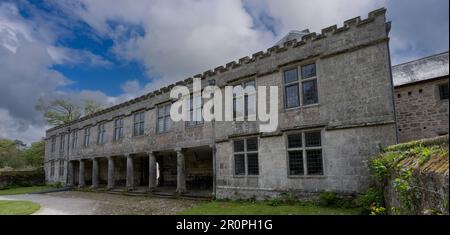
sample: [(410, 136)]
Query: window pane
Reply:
[(252, 144), (160, 124), (310, 92), (312, 139), (443, 91), (308, 71), (167, 109), (161, 111), (295, 141), (250, 105), (252, 164), (296, 163), (239, 107), (314, 162), (239, 164), (249, 83), (292, 98), (142, 116), (135, 129), (141, 128), (167, 123), (239, 146), (290, 76)]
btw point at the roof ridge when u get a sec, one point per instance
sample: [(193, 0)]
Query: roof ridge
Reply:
[(421, 58)]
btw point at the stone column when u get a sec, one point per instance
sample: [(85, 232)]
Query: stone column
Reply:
[(111, 173), (181, 177), (94, 173), (151, 170), (81, 181), (130, 173), (70, 174)]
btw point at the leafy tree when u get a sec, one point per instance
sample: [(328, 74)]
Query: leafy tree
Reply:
[(34, 155), (9, 154), (91, 107), (58, 111)]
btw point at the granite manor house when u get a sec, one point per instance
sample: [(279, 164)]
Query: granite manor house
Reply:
[(336, 108)]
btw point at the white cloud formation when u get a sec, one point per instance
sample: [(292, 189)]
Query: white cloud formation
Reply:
[(176, 39)]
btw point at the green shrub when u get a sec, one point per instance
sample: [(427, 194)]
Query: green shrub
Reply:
[(275, 202), (327, 199)]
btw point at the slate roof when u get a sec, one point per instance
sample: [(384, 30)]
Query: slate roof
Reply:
[(421, 69)]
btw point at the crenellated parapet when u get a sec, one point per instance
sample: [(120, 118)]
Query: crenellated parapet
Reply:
[(307, 40)]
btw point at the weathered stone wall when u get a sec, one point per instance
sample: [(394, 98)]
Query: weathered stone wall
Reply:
[(429, 184), (344, 152), (420, 112)]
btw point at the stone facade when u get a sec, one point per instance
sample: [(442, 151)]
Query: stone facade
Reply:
[(353, 116), (422, 110)]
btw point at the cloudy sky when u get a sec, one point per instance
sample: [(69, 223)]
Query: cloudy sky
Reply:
[(111, 51)]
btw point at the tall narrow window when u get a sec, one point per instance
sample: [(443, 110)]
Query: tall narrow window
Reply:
[(307, 87), (101, 133), (164, 120), (53, 144), (87, 135), (244, 102), (195, 112), (246, 156), (443, 91), (62, 143), (52, 168), (118, 129), (305, 153), (61, 167), (74, 139), (138, 123)]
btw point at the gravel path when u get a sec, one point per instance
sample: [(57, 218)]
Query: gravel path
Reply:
[(87, 203)]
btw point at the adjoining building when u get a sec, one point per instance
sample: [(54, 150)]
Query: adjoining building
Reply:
[(336, 108), (421, 97)]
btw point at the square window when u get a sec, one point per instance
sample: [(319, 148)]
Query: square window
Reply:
[(308, 71), (290, 76), (313, 139), (295, 141), (239, 146)]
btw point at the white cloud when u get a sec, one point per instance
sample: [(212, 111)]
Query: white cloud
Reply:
[(68, 56)]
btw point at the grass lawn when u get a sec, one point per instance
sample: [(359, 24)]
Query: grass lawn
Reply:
[(18, 207), (22, 190), (263, 208)]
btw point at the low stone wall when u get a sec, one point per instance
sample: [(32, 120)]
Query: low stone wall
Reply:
[(21, 178), (418, 186)]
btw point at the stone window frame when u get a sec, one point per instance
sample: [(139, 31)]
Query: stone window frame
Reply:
[(61, 167), (244, 96), (87, 136), (53, 144), (62, 142), (138, 127), (304, 150), (163, 117), (299, 83), (101, 133), (439, 91), (245, 153), (118, 128), (52, 168), (190, 124), (74, 139)]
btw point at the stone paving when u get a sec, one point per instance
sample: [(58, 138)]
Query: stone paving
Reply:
[(87, 203)]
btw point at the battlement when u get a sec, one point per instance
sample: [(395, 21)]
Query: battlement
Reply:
[(247, 60)]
